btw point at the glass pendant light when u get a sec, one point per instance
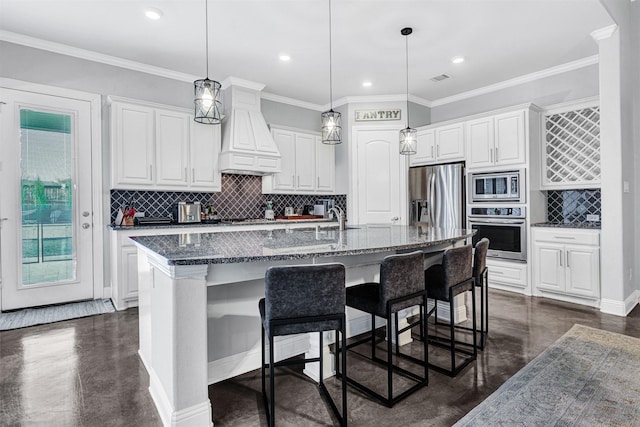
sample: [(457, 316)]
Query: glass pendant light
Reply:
[(331, 120), (408, 136), (208, 103)]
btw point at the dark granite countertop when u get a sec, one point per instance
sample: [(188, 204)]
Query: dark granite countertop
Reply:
[(220, 224), (591, 225), (265, 245)]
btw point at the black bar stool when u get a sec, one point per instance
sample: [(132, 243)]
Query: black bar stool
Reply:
[(300, 299), (443, 282), (401, 286), (481, 279)]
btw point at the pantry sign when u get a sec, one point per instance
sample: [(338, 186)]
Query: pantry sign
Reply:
[(377, 115)]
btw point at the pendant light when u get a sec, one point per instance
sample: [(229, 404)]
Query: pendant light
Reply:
[(208, 104), (408, 136), (331, 120)]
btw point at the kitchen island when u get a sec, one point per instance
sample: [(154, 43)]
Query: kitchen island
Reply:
[(198, 296)]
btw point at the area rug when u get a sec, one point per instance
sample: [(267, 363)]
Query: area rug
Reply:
[(588, 377), (54, 313)]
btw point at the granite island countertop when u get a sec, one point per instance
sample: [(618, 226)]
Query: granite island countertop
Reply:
[(266, 245), (591, 225)]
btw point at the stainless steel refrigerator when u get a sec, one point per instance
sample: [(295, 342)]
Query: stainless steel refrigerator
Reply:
[(437, 195)]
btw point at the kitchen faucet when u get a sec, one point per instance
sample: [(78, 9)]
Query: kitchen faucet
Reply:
[(340, 215)]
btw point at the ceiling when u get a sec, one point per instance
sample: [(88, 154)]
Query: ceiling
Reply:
[(500, 40)]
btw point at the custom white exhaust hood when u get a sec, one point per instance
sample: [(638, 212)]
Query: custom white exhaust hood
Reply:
[(247, 145)]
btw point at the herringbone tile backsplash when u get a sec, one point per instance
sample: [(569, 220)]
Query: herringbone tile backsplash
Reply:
[(241, 197)]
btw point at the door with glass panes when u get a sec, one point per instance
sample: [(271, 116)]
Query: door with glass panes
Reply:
[(46, 242)]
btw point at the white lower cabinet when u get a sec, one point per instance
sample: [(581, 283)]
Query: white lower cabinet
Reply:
[(508, 275), (566, 264)]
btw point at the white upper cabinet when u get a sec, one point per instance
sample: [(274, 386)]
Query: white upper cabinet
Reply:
[(172, 148), (480, 142), (132, 134), (425, 148), (439, 144), (307, 165), (510, 147), (161, 148), (498, 140), (450, 142), (325, 166), (305, 162), (204, 152)]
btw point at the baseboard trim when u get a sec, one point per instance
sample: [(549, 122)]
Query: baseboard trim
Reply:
[(159, 397), (620, 308)]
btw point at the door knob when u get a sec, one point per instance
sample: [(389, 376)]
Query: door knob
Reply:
[(395, 218), (85, 213), (85, 225)]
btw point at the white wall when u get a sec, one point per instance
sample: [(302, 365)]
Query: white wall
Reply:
[(568, 86)]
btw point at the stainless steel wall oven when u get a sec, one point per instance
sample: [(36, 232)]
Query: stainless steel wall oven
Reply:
[(505, 227)]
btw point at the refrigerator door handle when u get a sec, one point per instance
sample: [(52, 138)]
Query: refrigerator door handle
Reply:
[(432, 199)]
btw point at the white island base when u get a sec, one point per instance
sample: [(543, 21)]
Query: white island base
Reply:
[(199, 324)]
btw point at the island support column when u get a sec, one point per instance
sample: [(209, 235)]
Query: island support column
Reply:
[(175, 319)]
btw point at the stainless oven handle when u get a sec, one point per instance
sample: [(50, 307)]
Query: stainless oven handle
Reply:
[(495, 221)]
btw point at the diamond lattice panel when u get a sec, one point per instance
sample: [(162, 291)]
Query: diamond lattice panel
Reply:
[(573, 146)]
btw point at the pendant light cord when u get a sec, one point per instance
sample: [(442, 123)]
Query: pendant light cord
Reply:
[(330, 58), (206, 29), (406, 55)]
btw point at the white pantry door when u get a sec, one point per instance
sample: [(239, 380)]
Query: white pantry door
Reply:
[(46, 243), (381, 176)]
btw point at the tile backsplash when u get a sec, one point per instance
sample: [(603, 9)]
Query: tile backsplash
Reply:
[(241, 197), (573, 206)]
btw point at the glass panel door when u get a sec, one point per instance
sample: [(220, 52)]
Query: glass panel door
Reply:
[(46, 243), (46, 176)]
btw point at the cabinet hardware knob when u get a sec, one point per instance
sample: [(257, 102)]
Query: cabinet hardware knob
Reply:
[(85, 225)]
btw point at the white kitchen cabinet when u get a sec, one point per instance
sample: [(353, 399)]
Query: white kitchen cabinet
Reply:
[(172, 147), (325, 166), (566, 262), (425, 148), (307, 166), (132, 144), (439, 145), (498, 140), (157, 147)]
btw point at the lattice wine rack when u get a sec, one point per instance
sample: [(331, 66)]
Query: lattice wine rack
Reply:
[(572, 149)]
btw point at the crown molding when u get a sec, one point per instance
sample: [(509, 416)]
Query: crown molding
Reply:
[(94, 56), (295, 102), (184, 77), (548, 72), (604, 33), (248, 84)]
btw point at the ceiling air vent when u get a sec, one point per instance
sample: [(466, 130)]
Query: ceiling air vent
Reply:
[(440, 78)]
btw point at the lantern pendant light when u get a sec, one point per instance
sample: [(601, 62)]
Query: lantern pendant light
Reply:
[(207, 101), (331, 120), (408, 136)]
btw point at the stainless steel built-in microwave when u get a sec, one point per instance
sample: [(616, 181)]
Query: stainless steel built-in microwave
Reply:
[(504, 186)]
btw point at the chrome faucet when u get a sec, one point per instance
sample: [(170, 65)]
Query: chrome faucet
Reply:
[(340, 215)]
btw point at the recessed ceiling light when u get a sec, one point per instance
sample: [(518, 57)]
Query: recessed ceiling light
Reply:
[(284, 57), (367, 84), (153, 13), (457, 59)]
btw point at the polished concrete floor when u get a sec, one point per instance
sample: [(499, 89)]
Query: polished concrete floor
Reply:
[(86, 372)]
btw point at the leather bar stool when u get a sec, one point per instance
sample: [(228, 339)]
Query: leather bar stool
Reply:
[(300, 299), (401, 286), (444, 282)]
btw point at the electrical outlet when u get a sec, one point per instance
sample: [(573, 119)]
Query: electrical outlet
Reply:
[(593, 217)]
